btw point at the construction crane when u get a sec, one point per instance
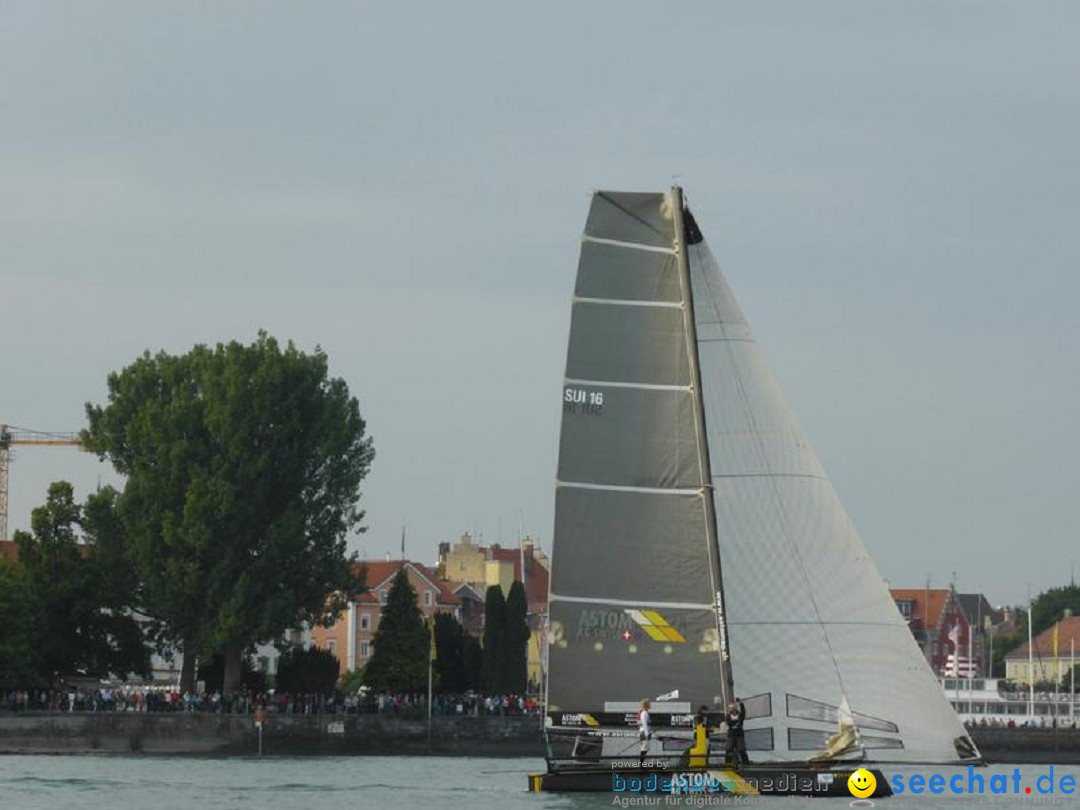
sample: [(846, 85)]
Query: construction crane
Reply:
[(11, 436)]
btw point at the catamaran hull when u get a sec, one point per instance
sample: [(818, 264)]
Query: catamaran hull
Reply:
[(745, 781)]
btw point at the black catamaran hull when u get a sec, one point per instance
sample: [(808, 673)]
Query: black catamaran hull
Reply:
[(797, 780)]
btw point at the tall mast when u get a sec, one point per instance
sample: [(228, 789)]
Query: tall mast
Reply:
[(726, 681)]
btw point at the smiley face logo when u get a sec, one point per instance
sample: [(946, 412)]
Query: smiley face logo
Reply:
[(861, 783)]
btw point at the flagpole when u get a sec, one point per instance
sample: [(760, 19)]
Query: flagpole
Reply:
[(956, 665), (971, 667), (1031, 666), (1072, 681), (1057, 672), (954, 637), (430, 668)]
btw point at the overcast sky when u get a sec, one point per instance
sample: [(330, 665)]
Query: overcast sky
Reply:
[(893, 190)]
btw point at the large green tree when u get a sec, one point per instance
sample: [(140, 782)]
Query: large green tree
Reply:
[(79, 598), (18, 651), (243, 466), (402, 642), (311, 671), (473, 654), (494, 626), (450, 670), (515, 675)]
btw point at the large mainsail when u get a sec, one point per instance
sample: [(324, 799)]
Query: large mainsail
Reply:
[(816, 640), (635, 575), (680, 461)]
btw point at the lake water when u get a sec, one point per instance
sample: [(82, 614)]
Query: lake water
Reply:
[(433, 783)]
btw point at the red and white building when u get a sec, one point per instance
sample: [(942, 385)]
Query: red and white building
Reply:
[(941, 627)]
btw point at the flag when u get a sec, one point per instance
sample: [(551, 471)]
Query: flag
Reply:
[(954, 634), (432, 638), (669, 696), (1054, 640)]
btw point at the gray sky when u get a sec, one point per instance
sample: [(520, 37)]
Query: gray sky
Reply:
[(892, 188)]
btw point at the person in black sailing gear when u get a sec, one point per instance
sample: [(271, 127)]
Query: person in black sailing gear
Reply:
[(643, 729), (702, 716), (735, 744)]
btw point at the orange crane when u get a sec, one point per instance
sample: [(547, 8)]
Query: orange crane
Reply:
[(10, 436)]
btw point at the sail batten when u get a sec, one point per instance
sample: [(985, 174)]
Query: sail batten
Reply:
[(629, 245), (640, 490), (624, 302), (624, 384), (635, 603)]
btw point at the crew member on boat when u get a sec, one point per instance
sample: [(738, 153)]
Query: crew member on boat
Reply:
[(643, 728), (697, 756), (736, 737), (702, 716)]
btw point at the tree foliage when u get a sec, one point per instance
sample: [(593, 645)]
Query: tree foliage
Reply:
[(451, 667), (79, 600), (351, 681), (18, 653), (473, 655), (402, 642), (1070, 679), (304, 672), (494, 622), (515, 674), (243, 465), (1050, 606), (212, 673), (1005, 642)]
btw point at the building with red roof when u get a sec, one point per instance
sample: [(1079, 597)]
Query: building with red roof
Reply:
[(351, 636), (483, 566), (1051, 655), (941, 627)]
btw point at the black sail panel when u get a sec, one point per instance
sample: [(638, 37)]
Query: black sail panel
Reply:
[(634, 577)]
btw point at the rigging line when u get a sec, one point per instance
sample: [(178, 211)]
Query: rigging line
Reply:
[(784, 518), (632, 215)]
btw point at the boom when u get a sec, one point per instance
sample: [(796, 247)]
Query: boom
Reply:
[(11, 436)]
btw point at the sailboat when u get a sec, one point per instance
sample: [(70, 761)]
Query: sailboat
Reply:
[(700, 549)]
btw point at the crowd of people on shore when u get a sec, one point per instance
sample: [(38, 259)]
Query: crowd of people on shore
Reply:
[(1043, 721), (166, 699)]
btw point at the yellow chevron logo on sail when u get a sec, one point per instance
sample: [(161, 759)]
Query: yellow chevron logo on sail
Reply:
[(656, 626)]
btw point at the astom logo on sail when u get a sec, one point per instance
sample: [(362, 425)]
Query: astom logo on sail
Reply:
[(603, 623), (625, 625)]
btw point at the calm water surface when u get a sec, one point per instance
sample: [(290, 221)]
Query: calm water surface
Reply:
[(436, 783)]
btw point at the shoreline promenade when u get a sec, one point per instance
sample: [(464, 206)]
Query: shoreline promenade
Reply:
[(209, 734)]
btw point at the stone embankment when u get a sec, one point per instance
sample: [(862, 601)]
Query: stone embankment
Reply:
[(235, 734), (490, 736)]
